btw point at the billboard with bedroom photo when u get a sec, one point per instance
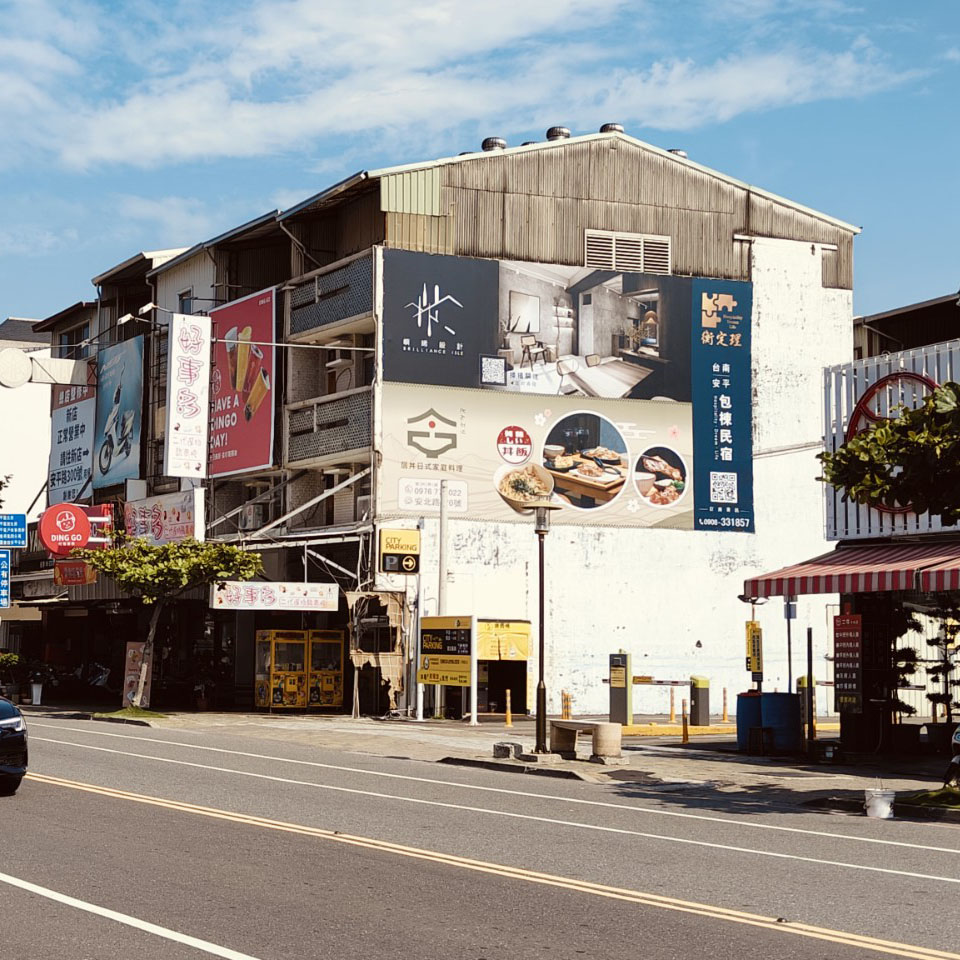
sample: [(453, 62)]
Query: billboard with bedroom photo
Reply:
[(648, 352)]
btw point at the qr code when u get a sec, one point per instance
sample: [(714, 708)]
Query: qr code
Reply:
[(723, 487), (493, 370)]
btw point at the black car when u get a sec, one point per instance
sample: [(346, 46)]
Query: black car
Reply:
[(13, 748)]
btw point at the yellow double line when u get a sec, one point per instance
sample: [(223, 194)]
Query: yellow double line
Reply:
[(518, 873)]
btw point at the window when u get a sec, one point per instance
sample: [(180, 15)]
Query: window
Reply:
[(626, 252), (185, 301), (69, 343)]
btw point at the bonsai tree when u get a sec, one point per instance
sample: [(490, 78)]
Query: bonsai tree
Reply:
[(161, 574), (911, 460), (943, 662)]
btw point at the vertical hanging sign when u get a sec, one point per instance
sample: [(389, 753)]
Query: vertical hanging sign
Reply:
[(188, 397), (722, 401)]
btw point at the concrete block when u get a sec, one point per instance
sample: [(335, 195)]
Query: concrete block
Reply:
[(540, 758), (507, 748)]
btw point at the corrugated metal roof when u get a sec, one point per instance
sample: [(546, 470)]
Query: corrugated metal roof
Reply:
[(259, 226), (137, 265)]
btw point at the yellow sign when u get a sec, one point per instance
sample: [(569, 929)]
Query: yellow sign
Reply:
[(448, 671), (618, 676), (643, 679), (400, 541), (503, 640), (754, 647), (399, 551)]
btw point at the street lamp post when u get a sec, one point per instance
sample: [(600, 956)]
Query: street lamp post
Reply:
[(542, 528)]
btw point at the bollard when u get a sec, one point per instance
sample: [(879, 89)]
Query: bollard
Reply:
[(673, 709), (726, 717), (508, 720), (685, 735)]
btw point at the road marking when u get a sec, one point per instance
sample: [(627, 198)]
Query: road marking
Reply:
[(518, 873), (205, 945), (515, 816), (631, 808)]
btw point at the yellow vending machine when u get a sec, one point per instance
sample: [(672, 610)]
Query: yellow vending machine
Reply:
[(281, 678), (326, 668)]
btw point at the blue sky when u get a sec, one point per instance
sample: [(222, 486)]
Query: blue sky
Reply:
[(142, 125)]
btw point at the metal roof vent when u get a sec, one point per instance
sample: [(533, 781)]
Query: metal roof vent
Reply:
[(677, 152), (612, 128), (528, 143), (558, 133), (494, 143)]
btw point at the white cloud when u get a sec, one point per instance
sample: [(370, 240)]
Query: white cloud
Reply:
[(283, 75), (953, 55), (170, 219)]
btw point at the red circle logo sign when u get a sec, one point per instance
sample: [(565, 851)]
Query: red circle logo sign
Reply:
[(64, 528), (514, 444)]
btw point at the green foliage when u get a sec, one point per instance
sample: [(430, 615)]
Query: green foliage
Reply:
[(910, 460), (157, 573), (4, 481), (9, 665)]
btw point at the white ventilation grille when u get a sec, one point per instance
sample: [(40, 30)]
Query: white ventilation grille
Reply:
[(628, 252)]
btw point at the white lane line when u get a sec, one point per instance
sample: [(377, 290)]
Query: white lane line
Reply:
[(511, 815), (205, 945), (630, 808)]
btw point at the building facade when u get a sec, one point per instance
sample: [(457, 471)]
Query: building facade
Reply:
[(443, 328)]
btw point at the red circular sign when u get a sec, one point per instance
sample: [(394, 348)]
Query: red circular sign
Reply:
[(514, 444), (64, 528), (892, 391)]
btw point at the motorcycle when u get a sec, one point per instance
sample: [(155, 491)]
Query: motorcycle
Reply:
[(118, 432)]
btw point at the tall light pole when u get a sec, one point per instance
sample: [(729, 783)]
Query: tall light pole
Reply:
[(542, 529)]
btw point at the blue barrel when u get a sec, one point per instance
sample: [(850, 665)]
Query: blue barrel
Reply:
[(781, 714), (748, 715)]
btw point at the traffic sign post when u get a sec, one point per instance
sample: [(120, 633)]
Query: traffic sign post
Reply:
[(13, 530)]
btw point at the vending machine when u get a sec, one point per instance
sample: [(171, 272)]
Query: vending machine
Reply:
[(280, 682), (326, 668)]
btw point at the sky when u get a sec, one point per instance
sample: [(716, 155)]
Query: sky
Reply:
[(143, 125)]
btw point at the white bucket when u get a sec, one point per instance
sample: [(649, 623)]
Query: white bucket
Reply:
[(879, 803), (35, 691)]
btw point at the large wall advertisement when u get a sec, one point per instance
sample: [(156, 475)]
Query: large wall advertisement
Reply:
[(116, 443), (242, 385), (623, 397), (73, 421)]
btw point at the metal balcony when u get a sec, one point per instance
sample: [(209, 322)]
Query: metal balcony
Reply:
[(329, 429), (339, 301)]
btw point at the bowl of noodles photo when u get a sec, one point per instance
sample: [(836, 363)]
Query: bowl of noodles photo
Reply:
[(523, 488)]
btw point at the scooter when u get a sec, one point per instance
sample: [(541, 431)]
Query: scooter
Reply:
[(118, 432)]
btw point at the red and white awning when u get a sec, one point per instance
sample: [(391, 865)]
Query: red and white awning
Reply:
[(866, 569)]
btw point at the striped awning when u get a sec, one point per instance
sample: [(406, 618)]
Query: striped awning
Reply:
[(866, 569)]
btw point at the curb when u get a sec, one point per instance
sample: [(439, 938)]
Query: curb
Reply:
[(907, 811), (89, 716), (506, 767)]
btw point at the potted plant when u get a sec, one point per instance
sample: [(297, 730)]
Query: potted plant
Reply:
[(9, 668), (37, 675)]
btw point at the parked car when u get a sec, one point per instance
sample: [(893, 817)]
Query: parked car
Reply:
[(13, 747)]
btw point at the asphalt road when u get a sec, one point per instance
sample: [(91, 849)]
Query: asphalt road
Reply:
[(169, 844)]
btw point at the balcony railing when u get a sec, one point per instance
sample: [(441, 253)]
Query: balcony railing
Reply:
[(342, 294), (325, 427)]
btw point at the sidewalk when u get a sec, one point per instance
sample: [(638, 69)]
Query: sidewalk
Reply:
[(706, 773)]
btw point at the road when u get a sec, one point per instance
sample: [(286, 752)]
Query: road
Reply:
[(171, 843)]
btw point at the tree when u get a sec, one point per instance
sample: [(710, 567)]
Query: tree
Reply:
[(911, 460), (160, 574)]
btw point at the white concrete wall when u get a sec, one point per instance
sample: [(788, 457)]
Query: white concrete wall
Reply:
[(25, 444), (656, 593)]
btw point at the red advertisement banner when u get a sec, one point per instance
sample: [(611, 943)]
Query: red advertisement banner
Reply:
[(242, 387)]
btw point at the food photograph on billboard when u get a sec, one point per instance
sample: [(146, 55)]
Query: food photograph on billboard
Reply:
[(242, 387), (623, 398), (116, 442)]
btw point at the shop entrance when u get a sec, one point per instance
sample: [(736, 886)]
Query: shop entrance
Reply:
[(498, 676)]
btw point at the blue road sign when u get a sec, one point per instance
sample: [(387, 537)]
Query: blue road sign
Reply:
[(4, 578), (13, 530)]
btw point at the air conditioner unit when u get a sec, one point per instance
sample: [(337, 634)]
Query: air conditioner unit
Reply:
[(364, 507), (252, 516)]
